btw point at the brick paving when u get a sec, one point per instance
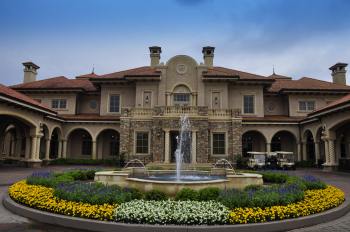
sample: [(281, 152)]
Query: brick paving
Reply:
[(13, 223)]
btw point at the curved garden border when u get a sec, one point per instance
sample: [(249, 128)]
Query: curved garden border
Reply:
[(103, 226)]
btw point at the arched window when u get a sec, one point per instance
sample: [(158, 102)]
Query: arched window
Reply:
[(181, 96)]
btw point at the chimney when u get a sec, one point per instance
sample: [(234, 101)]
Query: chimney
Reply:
[(339, 73), (208, 56), (155, 55), (30, 72)]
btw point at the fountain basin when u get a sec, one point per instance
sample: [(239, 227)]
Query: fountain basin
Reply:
[(165, 180)]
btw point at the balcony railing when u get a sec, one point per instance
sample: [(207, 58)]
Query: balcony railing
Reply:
[(181, 110)]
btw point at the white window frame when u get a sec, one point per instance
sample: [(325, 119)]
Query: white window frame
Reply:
[(212, 142), (306, 105), (135, 142), (59, 103), (254, 102), (108, 103)]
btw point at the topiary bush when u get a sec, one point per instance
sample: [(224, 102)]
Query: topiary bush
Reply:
[(208, 194), (155, 195), (274, 177), (312, 182), (187, 194)]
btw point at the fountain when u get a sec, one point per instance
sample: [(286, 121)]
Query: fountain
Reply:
[(170, 181), (183, 143)]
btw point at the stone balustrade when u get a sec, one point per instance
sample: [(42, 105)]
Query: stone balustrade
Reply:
[(181, 110)]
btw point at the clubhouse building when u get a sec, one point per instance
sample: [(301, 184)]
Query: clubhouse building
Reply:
[(135, 113)]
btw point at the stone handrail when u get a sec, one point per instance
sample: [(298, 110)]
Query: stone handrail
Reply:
[(178, 110), (142, 112)]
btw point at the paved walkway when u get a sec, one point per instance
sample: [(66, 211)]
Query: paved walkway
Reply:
[(12, 223)]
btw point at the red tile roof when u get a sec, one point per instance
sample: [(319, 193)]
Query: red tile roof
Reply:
[(306, 83), (226, 72), (89, 75), (145, 71), (13, 94), (336, 103), (272, 118), (277, 76), (57, 83)]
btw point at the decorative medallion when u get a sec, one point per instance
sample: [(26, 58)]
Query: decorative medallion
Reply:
[(181, 68)]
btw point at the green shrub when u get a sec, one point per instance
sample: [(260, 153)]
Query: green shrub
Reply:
[(253, 187), (155, 195), (187, 194), (208, 194), (48, 179), (92, 193), (312, 182), (274, 177)]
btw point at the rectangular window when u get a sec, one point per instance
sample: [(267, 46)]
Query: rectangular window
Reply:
[(142, 142), (59, 104), (248, 104), (219, 144), (182, 99), (306, 105), (114, 103)]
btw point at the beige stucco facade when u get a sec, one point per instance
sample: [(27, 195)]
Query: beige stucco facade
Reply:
[(87, 129)]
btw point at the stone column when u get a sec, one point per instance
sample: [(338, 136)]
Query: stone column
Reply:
[(317, 152), (168, 99), (268, 147), (47, 149), (38, 140), (33, 147), (167, 147), (326, 151), (64, 149), (18, 147), (194, 147), (299, 151), (94, 149), (331, 152)]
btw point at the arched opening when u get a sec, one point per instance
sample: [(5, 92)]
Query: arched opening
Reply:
[(310, 146), (79, 144), (14, 137), (108, 143), (43, 144), (320, 154), (181, 96), (9, 144), (284, 141), (253, 141), (55, 143), (341, 134)]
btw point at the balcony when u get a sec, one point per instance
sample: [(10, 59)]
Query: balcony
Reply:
[(176, 111)]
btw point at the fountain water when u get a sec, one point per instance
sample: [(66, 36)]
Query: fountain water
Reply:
[(183, 144)]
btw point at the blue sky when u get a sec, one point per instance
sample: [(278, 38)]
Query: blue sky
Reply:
[(66, 37)]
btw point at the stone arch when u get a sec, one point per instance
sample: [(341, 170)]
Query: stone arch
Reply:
[(108, 144), (172, 59), (339, 134), (253, 140), (78, 127), (284, 140), (18, 141), (79, 143)]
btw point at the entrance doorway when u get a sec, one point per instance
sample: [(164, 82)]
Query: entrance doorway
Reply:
[(173, 146)]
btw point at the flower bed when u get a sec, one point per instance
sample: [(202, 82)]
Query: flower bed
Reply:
[(172, 212), (292, 197), (42, 198), (315, 201)]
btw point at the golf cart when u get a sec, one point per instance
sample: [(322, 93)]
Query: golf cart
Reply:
[(285, 160), (271, 160), (256, 159)]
